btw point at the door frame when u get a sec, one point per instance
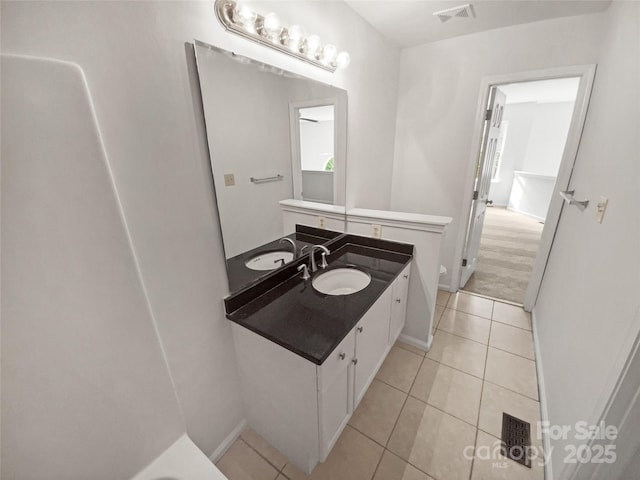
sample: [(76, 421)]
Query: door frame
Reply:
[(586, 73), (294, 137)]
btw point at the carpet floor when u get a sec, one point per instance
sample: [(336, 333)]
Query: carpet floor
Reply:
[(508, 248)]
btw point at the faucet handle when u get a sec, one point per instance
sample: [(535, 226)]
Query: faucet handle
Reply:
[(323, 262), (305, 271)]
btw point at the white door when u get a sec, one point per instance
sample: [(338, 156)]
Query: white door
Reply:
[(482, 183)]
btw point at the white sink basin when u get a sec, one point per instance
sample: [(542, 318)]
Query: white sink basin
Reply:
[(269, 260), (341, 281)]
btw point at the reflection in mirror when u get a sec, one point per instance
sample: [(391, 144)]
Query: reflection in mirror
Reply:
[(314, 166), (272, 135)]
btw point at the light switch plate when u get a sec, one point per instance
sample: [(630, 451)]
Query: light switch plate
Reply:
[(229, 180), (376, 230), (601, 207)]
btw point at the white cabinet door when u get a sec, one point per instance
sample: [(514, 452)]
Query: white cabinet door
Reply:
[(399, 304), (334, 409), (372, 337), (334, 395)]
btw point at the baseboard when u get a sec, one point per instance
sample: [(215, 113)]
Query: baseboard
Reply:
[(445, 287), (227, 442), (535, 217), (414, 342), (542, 394)]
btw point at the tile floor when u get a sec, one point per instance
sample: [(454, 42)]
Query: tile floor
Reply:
[(433, 416)]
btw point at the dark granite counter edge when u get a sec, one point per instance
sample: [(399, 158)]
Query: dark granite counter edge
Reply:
[(237, 299)]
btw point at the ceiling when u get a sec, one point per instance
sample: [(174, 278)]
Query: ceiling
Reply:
[(407, 23), (543, 91)]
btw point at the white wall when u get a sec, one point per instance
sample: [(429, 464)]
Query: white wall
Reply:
[(531, 194), (438, 95), (536, 136), (589, 296), (135, 60), (316, 144), (519, 116), (548, 135), (86, 389)]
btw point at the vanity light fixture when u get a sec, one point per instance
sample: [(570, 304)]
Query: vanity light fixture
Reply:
[(269, 31)]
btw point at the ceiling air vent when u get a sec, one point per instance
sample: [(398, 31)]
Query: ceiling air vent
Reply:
[(463, 11)]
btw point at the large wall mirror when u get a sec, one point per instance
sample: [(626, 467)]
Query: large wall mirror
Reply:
[(272, 135)]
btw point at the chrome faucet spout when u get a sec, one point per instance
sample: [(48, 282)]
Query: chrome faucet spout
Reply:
[(293, 246), (312, 259)]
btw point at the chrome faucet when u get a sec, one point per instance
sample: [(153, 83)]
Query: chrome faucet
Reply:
[(305, 272), (293, 245), (312, 259)]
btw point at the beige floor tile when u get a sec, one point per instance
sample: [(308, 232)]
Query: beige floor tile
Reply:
[(496, 400), (378, 411), (353, 457), (465, 325), (393, 467), (433, 441), (410, 348), (458, 352), (281, 477), (512, 372), (436, 317), (489, 464), (451, 390), (511, 315), (482, 307), (512, 339), (273, 456), (294, 473), (442, 297), (400, 368), (241, 462)]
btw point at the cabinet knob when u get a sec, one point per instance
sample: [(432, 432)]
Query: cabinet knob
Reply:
[(398, 300), (360, 329), (354, 361), (405, 276), (342, 356)]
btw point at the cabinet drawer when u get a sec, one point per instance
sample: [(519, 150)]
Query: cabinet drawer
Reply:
[(337, 361)]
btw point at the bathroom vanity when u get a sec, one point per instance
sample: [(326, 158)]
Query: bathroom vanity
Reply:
[(306, 358)]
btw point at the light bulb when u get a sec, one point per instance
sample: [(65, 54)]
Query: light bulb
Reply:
[(329, 54), (272, 25), (295, 36), (343, 59), (244, 16), (313, 46)]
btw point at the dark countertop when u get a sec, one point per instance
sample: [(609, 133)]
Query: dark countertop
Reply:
[(297, 317), (239, 275)]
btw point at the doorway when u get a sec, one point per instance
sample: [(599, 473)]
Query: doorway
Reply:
[(524, 169), (525, 159)]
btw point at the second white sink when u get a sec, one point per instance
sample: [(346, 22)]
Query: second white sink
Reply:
[(341, 281), (269, 260)]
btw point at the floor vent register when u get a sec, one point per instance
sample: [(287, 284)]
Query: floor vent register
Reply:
[(516, 439)]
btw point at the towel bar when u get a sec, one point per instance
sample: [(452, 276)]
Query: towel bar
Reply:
[(266, 179)]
